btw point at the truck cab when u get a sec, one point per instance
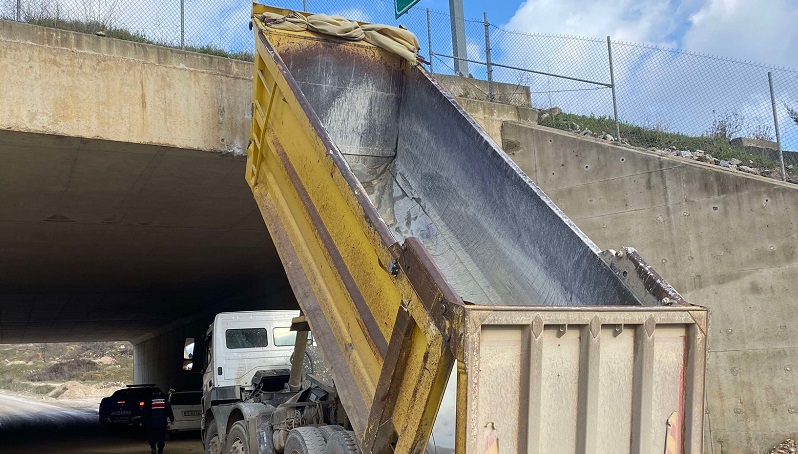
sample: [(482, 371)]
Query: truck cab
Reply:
[(240, 345), (264, 387)]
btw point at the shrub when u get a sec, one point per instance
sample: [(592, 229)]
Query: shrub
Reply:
[(73, 369)]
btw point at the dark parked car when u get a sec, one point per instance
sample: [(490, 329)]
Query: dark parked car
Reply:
[(126, 406)]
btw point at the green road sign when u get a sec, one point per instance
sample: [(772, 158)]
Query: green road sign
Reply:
[(403, 6)]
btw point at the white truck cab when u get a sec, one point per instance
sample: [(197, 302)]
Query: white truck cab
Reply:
[(242, 343), (247, 384)]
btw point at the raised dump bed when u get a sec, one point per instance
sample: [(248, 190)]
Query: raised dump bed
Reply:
[(414, 244)]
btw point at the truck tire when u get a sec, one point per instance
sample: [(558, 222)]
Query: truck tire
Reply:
[(342, 442), (305, 440), (328, 431), (237, 441), (213, 444)]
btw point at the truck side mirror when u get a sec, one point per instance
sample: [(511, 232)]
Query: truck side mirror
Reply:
[(188, 364), (188, 349)]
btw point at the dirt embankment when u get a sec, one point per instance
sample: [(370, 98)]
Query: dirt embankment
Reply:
[(66, 372)]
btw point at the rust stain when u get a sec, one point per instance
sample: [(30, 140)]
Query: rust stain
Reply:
[(491, 437)]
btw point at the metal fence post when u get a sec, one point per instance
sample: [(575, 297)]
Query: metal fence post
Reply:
[(612, 83), (459, 49), (182, 24), (776, 123), (304, 6), (487, 57), (19, 10), (429, 41)]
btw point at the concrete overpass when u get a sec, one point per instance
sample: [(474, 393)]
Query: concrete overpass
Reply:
[(124, 215)]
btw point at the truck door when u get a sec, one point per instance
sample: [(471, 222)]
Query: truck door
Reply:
[(208, 372), (245, 351)]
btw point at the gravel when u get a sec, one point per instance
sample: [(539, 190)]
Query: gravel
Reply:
[(788, 446)]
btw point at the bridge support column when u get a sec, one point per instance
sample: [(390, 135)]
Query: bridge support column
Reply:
[(159, 360)]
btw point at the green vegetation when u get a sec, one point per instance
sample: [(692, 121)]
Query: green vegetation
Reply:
[(25, 387), (89, 27), (715, 142), (244, 56), (92, 27), (72, 369)]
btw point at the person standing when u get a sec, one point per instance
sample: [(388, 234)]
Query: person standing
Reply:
[(157, 411)]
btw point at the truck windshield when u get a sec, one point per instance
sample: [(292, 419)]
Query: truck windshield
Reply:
[(246, 338), (284, 337)]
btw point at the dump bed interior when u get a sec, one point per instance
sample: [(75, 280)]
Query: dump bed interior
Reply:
[(434, 174)]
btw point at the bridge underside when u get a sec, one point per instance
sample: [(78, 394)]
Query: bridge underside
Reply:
[(105, 240), (124, 214)]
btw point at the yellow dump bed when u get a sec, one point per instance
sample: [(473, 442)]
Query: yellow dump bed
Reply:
[(415, 245)]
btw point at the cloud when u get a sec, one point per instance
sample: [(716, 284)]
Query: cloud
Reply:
[(747, 30), (352, 14), (625, 20)]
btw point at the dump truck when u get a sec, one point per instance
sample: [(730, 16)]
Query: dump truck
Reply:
[(451, 300)]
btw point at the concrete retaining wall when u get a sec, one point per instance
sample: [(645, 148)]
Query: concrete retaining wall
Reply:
[(491, 115), (468, 87), (725, 240)]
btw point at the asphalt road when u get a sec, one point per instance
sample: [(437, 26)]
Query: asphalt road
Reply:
[(18, 413), (29, 425)]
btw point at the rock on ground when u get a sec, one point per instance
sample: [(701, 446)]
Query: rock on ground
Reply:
[(106, 361), (788, 446)]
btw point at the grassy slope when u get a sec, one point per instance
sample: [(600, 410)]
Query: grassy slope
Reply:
[(64, 362), (642, 137), (92, 27)]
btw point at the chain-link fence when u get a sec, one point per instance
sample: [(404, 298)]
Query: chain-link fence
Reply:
[(640, 91), (212, 27), (706, 96), (648, 95)]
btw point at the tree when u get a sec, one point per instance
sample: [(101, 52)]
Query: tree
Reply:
[(793, 113)]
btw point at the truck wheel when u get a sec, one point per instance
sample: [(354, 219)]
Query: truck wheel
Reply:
[(237, 439), (212, 443), (305, 440), (342, 442), (328, 431)]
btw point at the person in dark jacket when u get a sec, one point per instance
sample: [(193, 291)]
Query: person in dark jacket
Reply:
[(156, 413)]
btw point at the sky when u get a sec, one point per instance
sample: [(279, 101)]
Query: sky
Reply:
[(757, 30), (677, 91), (764, 31)]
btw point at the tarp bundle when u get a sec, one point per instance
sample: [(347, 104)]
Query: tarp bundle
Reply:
[(393, 39)]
